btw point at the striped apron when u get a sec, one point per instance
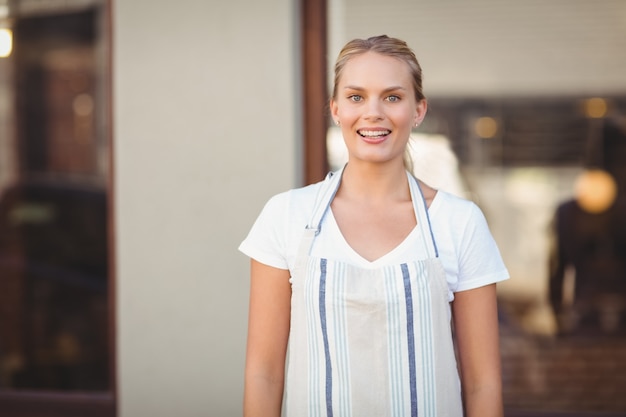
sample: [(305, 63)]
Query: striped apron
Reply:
[(370, 342)]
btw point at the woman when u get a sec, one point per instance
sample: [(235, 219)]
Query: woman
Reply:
[(357, 273)]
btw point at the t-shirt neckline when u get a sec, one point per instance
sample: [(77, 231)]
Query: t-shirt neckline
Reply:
[(331, 221)]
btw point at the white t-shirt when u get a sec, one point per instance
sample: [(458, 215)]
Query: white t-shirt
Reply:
[(467, 250)]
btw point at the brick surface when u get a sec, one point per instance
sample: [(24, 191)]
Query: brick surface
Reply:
[(576, 374)]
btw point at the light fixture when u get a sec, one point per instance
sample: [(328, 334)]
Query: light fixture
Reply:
[(596, 108), (6, 34), (486, 127), (6, 42)]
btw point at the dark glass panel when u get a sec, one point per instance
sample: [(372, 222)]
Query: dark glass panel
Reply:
[(54, 292)]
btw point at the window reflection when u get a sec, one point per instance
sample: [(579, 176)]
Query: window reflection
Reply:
[(533, 165), (54, 309)]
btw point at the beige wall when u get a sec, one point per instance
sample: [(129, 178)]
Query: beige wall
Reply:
[(205, 116)]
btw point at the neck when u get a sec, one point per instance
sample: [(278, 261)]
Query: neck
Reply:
[(374, 182)]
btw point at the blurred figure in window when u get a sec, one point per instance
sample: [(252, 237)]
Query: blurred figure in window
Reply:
[(589, 252)]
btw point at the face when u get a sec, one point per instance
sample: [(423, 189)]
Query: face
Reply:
[(376, 108)]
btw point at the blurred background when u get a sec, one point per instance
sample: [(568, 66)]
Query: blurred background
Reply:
[(139, 141)]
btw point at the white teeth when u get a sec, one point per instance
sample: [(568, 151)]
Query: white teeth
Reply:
[(374, 133)]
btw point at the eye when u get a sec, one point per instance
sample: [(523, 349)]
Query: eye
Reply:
[(355, 97), (393, 99)]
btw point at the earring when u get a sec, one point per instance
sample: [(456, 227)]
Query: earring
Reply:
[(337, 122)]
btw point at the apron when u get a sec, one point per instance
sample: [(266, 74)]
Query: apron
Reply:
[(370, 342)]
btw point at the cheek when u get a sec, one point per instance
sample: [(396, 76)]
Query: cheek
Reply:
[(347, 115), (405, 118)]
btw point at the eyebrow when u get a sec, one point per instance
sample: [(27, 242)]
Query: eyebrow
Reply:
[(386, 90)]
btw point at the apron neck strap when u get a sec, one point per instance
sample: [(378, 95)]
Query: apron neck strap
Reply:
[(330, 186), (324, 196), (421, 215)]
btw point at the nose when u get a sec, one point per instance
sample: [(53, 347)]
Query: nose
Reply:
[(374, 110)]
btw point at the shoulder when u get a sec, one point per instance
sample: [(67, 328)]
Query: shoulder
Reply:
[(273, 236), (308, 195), (469, 252), (299, 196), (444, 200), (458, 219), (453, 208)]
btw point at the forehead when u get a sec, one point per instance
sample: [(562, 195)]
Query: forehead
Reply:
[(372, 68)]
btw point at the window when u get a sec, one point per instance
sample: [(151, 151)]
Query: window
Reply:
[(56, 355)]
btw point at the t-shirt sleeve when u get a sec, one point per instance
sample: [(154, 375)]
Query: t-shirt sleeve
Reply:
[(266, 239), (480, 262)]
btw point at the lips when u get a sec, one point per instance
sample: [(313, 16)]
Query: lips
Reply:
[(374, 135)]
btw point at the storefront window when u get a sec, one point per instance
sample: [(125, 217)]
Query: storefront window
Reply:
[(55, 315)]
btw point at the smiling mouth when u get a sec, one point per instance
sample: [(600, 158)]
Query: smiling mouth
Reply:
[(373, 134)]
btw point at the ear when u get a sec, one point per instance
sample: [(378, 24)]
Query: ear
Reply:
[(420, 111), (334, 109)]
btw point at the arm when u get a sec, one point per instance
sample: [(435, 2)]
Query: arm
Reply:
[(268, 332), (476, 328)]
